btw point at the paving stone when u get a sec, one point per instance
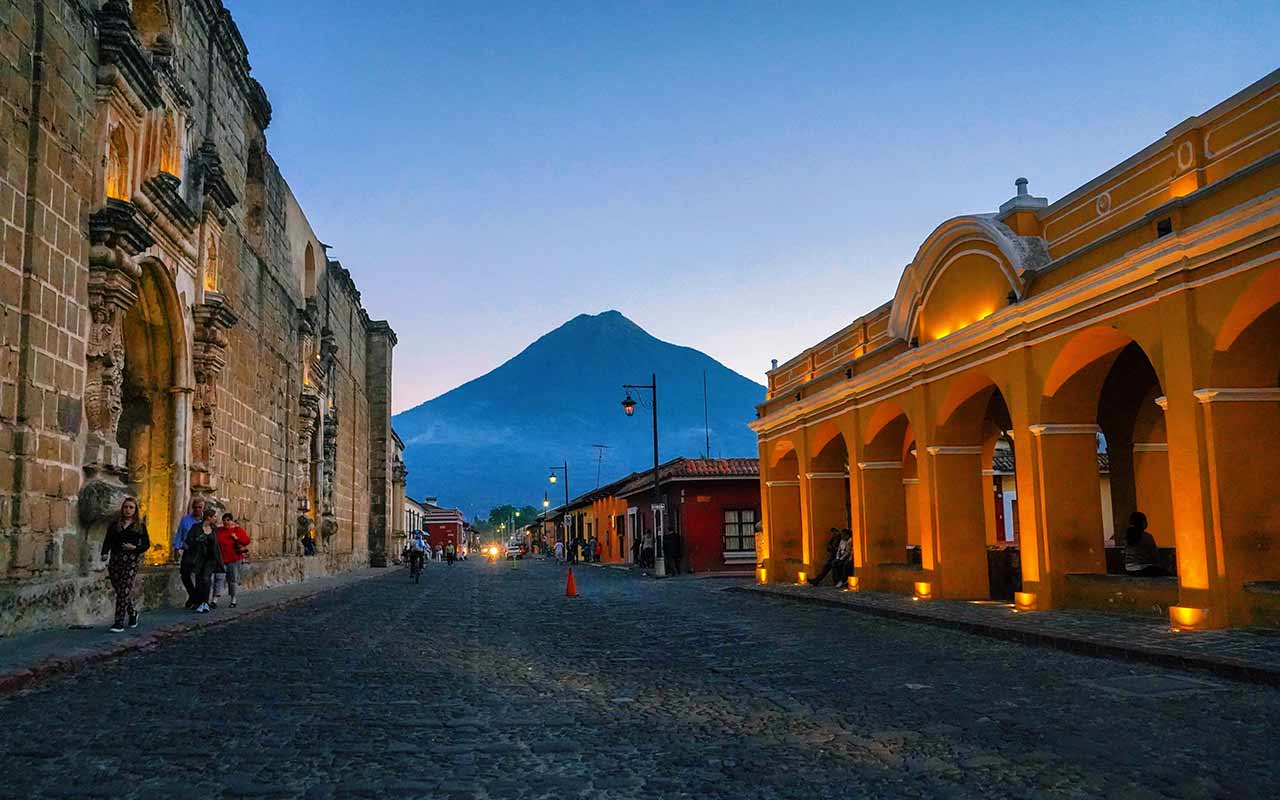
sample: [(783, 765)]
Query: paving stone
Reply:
[(377, 690)]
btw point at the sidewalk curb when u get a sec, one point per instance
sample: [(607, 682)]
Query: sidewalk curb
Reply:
[(17, 680), (1233, 669)]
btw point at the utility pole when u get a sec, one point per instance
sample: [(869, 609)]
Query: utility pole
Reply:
[(600, 448)]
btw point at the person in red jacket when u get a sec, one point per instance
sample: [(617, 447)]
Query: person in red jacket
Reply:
[(233, 542)]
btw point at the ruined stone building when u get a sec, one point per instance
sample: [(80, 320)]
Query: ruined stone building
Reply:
[(170, 324)]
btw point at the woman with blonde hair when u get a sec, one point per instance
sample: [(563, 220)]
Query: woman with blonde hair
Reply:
[(124, 544)]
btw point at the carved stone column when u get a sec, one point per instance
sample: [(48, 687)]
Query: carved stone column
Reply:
[(213, 318)]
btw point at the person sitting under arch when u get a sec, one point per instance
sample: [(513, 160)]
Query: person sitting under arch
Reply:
[(1141, 555)]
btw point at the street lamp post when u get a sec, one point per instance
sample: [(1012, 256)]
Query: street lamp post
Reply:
[(629, 408), (552, 479)]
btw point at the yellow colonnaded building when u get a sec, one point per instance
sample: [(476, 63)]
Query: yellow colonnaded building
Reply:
[(1132, 326)]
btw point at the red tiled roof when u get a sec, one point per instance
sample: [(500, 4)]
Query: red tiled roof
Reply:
[(714, 468)]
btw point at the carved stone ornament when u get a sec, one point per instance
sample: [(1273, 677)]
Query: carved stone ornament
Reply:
[(123, 60), (213, 178), (213, 318), (116, 237)]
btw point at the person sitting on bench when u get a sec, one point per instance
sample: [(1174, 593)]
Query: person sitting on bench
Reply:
[(1141, 555)]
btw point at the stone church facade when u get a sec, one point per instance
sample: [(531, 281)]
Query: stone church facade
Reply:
[(170, 324)]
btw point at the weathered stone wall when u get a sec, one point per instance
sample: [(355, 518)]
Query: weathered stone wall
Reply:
[(169, 323)]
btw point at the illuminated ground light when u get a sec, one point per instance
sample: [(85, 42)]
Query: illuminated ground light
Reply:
[(852, 583), (1024, 601), (1186, 618), (801, 577), (762, 575), (924, 590)]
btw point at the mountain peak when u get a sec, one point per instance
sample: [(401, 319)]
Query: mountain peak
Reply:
[(489, 440)]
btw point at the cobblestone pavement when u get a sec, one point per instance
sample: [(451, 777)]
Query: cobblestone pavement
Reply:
[(486, 682), (1252, 654)]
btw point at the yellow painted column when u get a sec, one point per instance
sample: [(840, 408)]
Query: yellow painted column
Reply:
[(1069, 507), (764, 546), (1242, 433), (1202, 590), (960, 546), (885, 507)]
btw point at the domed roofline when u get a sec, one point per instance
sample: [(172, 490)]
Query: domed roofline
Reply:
[(1023, 254)]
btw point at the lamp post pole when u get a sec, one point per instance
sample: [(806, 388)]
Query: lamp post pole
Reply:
[(565, 469), (628, 407)]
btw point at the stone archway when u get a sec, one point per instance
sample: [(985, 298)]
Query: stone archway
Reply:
[(153, 421)]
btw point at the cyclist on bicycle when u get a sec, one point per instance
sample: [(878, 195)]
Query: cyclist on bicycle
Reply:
[(417, 552)]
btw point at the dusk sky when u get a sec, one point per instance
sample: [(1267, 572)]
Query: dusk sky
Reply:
[(743, 178)]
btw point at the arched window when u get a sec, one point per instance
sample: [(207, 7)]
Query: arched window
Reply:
[(309, 271)]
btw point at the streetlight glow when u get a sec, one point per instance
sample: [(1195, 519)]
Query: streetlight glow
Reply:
[(552, 477)]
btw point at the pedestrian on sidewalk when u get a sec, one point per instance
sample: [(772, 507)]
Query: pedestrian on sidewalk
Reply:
[(233, 546), (671, 547), (124, 545), (189, 520), (202, 543), (560, 551), (646, 550), (450, 553), (844, 559), (833, 544)]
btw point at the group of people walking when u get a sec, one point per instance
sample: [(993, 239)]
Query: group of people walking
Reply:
[(211, 556), (579, 549), (210, 552)]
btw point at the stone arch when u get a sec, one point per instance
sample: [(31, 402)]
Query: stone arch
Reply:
[(309, 271), (1241, 412), (151, 427), (830, 496), (974, 419), (888, 500), (1104, 377), (785, 527), (118, 184), (977, 238), (1246, 349)]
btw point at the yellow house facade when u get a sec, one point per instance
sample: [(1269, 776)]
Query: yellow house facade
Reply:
[(1138, 316)]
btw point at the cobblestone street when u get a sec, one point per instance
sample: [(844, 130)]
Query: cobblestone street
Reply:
[(486, 682)]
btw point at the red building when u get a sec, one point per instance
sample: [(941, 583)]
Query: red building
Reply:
[(713, 504), (445, 526)]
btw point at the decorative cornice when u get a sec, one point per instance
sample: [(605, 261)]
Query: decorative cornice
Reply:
[(879, 465), (910, 481), (826, 476), (116, 225), (774, 484), (380, 327), (1163, 402), (948, 450), (1064, 429), (1263, 394), (1150, 447), (213, 177), (162, 190), (120, 50)]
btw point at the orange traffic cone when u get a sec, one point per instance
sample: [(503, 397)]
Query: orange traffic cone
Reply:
[(570, 588)]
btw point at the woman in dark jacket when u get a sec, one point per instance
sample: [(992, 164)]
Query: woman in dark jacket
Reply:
[(125, 543), (206, 558)]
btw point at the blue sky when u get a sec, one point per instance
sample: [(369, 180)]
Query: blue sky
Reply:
[(744, 178)]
